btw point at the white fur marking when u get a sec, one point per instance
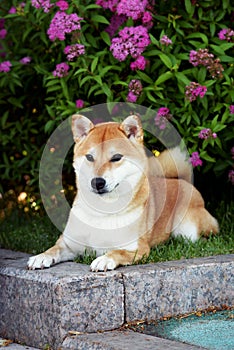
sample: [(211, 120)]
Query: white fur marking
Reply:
[(188, 230)]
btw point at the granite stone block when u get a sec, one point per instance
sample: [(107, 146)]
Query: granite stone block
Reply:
[(40, 307), (122, 340), (178, 287)]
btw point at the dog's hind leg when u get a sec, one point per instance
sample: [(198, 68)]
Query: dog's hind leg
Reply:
[(197, 221)]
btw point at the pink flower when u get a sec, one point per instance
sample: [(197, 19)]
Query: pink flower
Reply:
[(3, 33), (207, 133), (108, 4), (79, 103), (226, 34), (195, 159), (231, 176), (25, 60), (63, 24), (12, 10), (231, 108), (162, 117), (132, 8), (73, 51), (165, 40), (42, 4), (131, 41), (140, 63), (135, 89), (194, 90), (147, 17), (61, 70), (5, 66), (63, 5), (206, 59), (131, 97)]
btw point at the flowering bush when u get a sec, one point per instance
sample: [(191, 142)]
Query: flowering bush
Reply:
[(59, 56)]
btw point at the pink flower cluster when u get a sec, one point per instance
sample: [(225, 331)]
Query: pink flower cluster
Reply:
[(131, 41), (135, 9), (45, 5), (5, 66), (165, 40), (206, 134), (61, 70), (231, 109), (195, 159), (162, 117), (226, 34), (194, 90), (62, 24), (132, 8), (206, 59), (140, 63), (134, 90), (73, 51), (79, 103)]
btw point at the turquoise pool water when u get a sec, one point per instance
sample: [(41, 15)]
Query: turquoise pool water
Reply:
[(213, 331)]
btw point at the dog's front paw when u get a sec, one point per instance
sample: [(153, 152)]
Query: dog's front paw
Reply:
[(103, 263), (40, 261)]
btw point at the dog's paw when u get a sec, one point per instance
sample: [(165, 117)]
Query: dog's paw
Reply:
[(40, 261), (103, 263)]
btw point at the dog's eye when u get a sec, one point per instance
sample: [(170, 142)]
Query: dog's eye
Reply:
[(116, 157), (89, 157)]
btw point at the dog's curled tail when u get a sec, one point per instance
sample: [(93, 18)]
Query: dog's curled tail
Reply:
[(174, 163)]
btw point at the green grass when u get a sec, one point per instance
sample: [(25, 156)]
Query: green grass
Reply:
[(35, 235)]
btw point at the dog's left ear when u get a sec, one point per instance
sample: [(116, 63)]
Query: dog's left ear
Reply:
[(132, 127), (81, 126)]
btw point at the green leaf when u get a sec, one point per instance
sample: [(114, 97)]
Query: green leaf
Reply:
[(189, 8), (49, 125), (15, 102), (218, 49), (94, 64), (206, 157), (100, 19), (199, 36), (166, 60), (144, 77), (106, 90), (163, 77), (106, 38), (64, 88), (182, 77), (154, 40)]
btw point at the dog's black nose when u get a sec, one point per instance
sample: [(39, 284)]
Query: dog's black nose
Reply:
[(98, 183)]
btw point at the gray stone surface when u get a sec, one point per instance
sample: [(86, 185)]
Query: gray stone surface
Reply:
[(178, 287), (122, 340), (14, 346), (41, 307)]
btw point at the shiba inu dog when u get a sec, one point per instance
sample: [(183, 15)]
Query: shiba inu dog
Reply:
[(126, 202)]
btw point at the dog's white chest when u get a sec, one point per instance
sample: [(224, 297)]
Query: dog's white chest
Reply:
[(102, 232)]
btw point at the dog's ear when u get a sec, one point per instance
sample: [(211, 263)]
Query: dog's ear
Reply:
[(81, 126), (132, 127)]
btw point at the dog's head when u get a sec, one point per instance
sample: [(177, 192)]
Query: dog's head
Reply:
[(108, 155)]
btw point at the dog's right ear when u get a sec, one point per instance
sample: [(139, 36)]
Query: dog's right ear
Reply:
[(81, 126)]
